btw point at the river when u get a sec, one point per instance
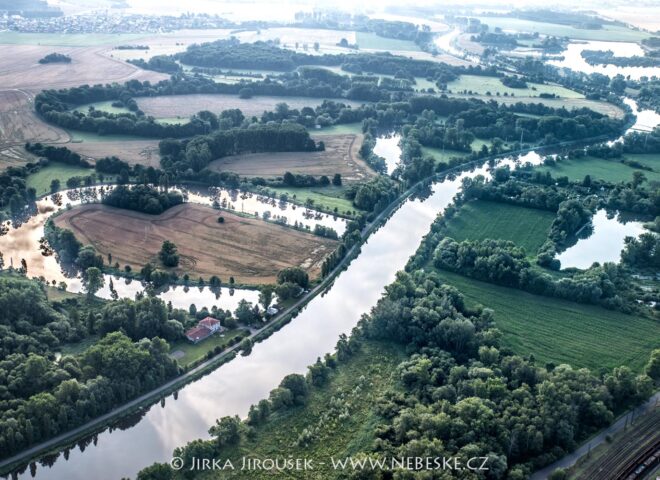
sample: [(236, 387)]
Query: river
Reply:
[(233, 387), (604, 244)]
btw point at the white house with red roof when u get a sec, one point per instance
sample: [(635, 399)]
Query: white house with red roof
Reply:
[(204, 329)]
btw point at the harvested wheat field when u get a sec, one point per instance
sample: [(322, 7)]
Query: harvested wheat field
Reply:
[(340, 156), (251, 250), (168, 106), (20, 68), (134, 152), (19, 123)]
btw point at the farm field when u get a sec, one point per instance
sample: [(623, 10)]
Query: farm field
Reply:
[(561, 331), (371, 41), (608, 170), (341, 155), (568, 103), (103, 107), (352, 387), (187, 105), (15, 156), (251, 250), (67, 39), (20, 68), (479, 220), (143, 152), (479, 84), (341, 129), (61, 171), (19, 123), (327, 198), (610, 33), (441, 155)]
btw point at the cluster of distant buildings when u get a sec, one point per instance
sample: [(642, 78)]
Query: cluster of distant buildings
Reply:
[(107, 22)]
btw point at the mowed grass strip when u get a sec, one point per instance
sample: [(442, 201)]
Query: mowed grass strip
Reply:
[(371, 41), (602, 169), (479, 220), (561, 331), (480, 84), (327, 198), (353, 388)]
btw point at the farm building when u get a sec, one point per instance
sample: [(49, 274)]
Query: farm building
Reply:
[(204, 329)]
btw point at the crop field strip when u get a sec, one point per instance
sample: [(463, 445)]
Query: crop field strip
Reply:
[(479, 220), (341, 155), (560, 331)]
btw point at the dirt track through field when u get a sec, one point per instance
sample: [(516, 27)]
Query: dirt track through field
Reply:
[(250, 250)]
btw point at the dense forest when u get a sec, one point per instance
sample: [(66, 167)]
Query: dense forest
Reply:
[(41, 397)]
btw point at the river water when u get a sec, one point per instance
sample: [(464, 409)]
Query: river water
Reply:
[(604, 244), (233, 387), (574, 61), (388, 148)]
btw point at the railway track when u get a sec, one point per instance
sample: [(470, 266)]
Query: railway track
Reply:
[(638, 453)]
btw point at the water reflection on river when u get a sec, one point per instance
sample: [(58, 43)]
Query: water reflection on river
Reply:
[(388, 148), (604, 244), (573, 59), (233, 387)]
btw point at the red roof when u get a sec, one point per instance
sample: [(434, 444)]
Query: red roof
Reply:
[(209, 322), (198, 333)]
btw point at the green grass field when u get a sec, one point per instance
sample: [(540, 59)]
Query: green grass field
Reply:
[(40, 181), (103, 107), (328, 198), (78, 136), (195, 351), (478, 220), (353, 389), (610, 33), (371, 41), (67, 39), (342, 129), (608, 170), (480, 85), (560, 331), (441, 155)]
